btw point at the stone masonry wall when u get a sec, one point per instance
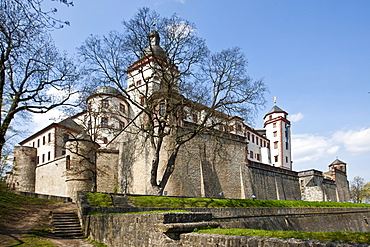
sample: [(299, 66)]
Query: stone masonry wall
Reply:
[(24, 172), (342, 186), (212, 240), (272, 183), (106, 167), (209, 167)]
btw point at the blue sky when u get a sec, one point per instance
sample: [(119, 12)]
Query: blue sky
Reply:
[(313, 55)]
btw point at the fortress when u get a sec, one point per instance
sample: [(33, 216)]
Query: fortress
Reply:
[(101, 150)]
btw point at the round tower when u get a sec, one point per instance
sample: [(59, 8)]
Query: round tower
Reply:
[(80, 166), (278, 132), (24, 171), (107, 114)]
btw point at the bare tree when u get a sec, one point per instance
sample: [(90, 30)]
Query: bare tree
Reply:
[(34, 76), (356, 189), (189, 91)]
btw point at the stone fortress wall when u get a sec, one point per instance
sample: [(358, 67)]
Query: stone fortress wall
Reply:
[(207, 167)]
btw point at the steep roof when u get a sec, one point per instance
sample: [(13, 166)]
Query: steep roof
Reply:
[(67, 123), (275, 109), (337, 162)]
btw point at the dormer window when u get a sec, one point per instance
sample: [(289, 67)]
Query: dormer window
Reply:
[(138, 83), (104, 103)]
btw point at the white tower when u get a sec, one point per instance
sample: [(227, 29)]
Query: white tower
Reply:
[(278, 132), (152, 72)]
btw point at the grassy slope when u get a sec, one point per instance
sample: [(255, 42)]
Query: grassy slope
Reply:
[(175, 202), (13, 208)]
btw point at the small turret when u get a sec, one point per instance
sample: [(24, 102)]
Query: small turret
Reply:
[(339, 165), (278, 132)]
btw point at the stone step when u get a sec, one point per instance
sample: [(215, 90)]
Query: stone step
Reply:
[(67, 225)]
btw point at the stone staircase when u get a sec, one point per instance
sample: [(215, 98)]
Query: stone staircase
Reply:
[(67, 225)]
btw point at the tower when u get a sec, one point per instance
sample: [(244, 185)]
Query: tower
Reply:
[(278, 132), (152, 72), (24, 172)]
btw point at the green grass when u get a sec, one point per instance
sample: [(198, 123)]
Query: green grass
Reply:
[(99, 199), (176, 202), (12, 205), (347, 237), (97, 244)]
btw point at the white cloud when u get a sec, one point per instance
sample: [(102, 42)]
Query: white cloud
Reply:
[(44, 119), (296, 117), (308, 147), (181, 30), (314, 151), (356, 142)]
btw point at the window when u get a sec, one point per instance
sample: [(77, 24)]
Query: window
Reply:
[(258, 156), (276, 145), (275, 133), (142, 100), (251, 154), (63, 152), (276, 158), (253, 138), (38, 142), (104, 122), (43, 158), (286, 159), (85, 118), (138, 83), (43, 140), (256, 140), (105, 140), (37, 160), (33, 144), (121, 125), (122, 108), (195, 118), (270, 117), (274, 125), (248, 136), (49, 155), (68, 162), (49, 137), (104, 103), (238, 128), (162, 109)]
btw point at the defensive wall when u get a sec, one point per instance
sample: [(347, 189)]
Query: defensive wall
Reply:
[(174, 229)]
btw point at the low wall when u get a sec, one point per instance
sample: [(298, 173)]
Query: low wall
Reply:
[(173, 229), (205, 240), (44, 196)]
